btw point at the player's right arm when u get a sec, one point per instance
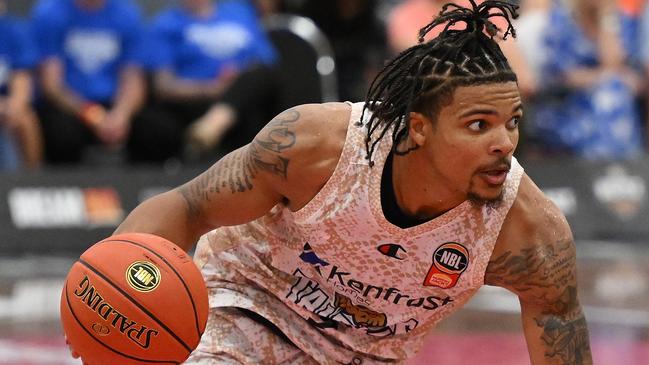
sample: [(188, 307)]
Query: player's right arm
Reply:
[(287, 160)]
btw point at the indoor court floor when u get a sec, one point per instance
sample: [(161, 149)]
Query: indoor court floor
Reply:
[(614, 280)]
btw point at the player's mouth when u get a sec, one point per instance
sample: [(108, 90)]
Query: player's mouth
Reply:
[(495, 176)]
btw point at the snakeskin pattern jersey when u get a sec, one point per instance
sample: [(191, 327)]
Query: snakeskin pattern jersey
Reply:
[(341, 282)]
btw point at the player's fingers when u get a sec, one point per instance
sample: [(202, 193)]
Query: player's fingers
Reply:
[(72, 352)]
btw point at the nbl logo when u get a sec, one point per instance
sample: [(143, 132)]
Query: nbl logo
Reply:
[(449, 262), (143, 276)]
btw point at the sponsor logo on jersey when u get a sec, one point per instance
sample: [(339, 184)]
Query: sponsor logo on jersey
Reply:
[(449, 262), (352, 301), (339, 308), (391, 250)]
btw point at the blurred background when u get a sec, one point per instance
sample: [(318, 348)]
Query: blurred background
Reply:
[(104, 103)]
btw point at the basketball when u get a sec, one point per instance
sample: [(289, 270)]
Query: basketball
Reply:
[(134, 299)]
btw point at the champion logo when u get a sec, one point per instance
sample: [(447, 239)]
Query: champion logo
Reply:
[(391, 250)]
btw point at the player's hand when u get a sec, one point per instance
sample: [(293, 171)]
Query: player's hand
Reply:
[(73, 353)]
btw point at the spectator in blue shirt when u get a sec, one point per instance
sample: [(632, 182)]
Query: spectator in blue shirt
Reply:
[(20, 137), (589, 104), (197, 50), (92, 81)]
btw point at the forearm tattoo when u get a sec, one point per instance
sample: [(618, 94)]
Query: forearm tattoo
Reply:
[(565, 336), (236, 172), (546, 275)]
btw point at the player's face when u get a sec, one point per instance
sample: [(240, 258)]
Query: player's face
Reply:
[(470, 145)]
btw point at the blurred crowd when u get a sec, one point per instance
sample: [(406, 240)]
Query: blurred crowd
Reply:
[(198, 78)]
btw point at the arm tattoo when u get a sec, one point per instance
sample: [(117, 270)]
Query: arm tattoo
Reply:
[(236, 171), (279, 135), (544, 266), (565, 337), (267, 147), (551, 269)]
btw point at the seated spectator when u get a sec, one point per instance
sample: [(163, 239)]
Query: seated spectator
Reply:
[(91, 78), (405, 20), (587, 102), (197, 50), (293, 79), (20, 136)]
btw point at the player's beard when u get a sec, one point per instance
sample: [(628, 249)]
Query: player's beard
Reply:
[(491, 202), (479, 200)]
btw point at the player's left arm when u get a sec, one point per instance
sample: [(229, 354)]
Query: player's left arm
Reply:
[(542, 272), (553, 320)]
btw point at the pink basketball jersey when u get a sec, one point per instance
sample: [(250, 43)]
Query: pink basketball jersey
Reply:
[(368, 286)]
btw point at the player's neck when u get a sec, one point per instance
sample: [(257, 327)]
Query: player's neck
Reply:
[(419, 190)]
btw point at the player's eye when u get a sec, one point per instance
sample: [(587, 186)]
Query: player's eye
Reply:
[(477, 125), (513, 123)]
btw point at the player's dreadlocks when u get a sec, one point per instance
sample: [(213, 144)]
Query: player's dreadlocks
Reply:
[(424, 77)]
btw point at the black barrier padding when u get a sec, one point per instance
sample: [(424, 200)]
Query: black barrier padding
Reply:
[(600, 200), (612, 198), (130, 185)]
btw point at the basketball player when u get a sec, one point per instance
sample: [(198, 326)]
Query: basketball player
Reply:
[(348, 231)]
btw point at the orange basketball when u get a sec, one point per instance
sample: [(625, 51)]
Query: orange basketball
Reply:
[(134, 299)]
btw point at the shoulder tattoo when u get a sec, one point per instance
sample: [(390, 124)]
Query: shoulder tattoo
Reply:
[(266, 149)]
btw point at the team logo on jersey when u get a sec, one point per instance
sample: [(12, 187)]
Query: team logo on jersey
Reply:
[(361, 316), (449, 262), (312, 258), (391, 250)]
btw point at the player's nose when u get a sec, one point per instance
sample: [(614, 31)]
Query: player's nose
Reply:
[(503, 142)]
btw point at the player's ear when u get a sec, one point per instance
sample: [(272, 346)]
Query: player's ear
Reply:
[(418, 128)]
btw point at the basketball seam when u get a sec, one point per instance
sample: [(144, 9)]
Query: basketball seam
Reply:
[(132, 300), (67, 299), (191, 298)]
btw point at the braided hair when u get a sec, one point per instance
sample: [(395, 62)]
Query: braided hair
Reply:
[(424, 77)]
